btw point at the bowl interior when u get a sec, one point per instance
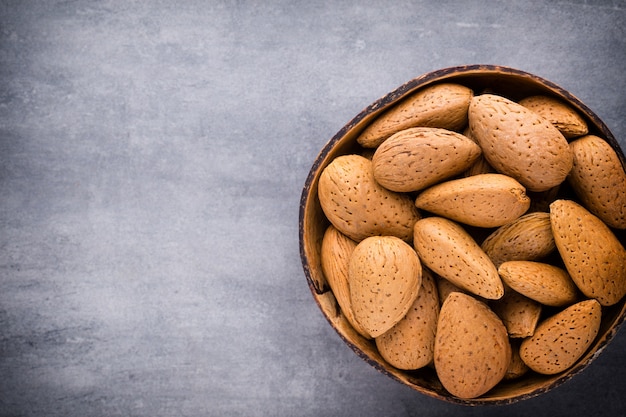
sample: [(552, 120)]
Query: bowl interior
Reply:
[(514, 84)]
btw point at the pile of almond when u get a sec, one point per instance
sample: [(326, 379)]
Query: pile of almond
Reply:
[(476, 235)]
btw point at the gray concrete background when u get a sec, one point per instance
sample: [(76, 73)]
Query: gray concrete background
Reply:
[(152, 156)]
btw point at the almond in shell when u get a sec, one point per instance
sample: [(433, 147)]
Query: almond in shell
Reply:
[(593, 256), (544, 283), (416, 158), (472, 349), (520, 143), (599, 179), (450, 252), (527, 238), (485, 200), (358, 206), (335, 257), (560, 114), (384, 277), (519, 314), (442, 105), (410, 343), (559, 341)]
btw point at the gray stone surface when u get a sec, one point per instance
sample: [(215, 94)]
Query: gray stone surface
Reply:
[(152, 156)]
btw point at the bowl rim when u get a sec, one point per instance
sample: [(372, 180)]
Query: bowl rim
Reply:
[(381, 104)]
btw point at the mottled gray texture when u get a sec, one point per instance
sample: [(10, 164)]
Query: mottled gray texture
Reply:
[(152, 156)]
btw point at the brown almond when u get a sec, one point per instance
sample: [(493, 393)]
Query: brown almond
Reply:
[(358, 206), (559, 341), (599, 179), (544, 283), (384, 277), (419, 157), (592, 254), (445, 288), (335, 258), (527, 238), (519, 313), (563, 116), (449, 251), (472, 349), (517, 368), (442, 105), (485, 200), (410, 343), (518, 142)]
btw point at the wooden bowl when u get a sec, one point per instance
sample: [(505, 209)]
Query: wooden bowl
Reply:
[(514, 84)]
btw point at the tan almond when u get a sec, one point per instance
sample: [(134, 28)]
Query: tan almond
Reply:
[(442, 105), (486, 200), (517, 368), (518, 142), (410, 343), (335, 257), (384, 277), (445, 288), (358, 206), (527, 238), (419, 157), (599, 179), (519, 313), (561, 340), (544, 283), (472, 349), (592, 254), (563, 116), (449, 251)]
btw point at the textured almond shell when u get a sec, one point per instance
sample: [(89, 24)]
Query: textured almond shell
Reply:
[(527, 238), (410, 343), (358, 206), (442, 105), (559, 341), (599, 179), (485, 200), (384, 277), (335, 257), (519, 143), (519, 314), (592, 254), (472, 349), (561, 115), (544, 283), (419, 157), (449, 251), (445, 288), (517, 367)]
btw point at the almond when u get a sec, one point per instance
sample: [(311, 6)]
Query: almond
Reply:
[(416, 158), (560, 114), (449, 251), (517, 367), (472, 349), (441, 105), (544, 283), (562, 339), (485, 200), (410, 343), (518, 142), (384, 277), (519, 314), (527, 238), (445, 288), (335, 257), (358, 206), (599, 179), (592, 254)]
